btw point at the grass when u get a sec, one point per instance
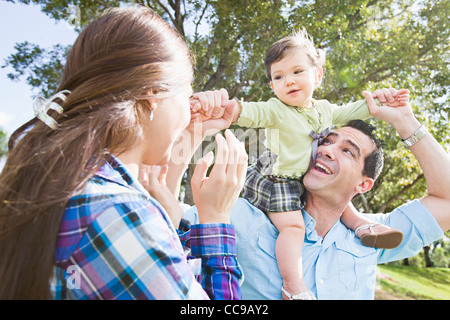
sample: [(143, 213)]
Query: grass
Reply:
[(412, 283)]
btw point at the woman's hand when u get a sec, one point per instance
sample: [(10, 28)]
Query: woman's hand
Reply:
[(216, 195), (153, 178)]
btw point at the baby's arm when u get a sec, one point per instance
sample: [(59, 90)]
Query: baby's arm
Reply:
[(261, 114)]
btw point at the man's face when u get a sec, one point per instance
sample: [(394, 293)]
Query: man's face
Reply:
[(338, 169)]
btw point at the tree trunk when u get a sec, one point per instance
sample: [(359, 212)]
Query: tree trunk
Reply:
[(426, 253), (188, 197)]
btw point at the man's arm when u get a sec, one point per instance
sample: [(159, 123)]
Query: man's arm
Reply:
[(433, 159)]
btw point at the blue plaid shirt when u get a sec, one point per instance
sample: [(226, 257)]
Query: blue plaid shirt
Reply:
[(117, 242)]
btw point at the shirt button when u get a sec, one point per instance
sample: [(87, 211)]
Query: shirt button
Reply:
[(321, 281), (356, 250)]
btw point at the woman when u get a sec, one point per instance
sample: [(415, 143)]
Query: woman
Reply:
[(71, 207)]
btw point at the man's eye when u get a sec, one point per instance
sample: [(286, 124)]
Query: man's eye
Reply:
[(349, 152)]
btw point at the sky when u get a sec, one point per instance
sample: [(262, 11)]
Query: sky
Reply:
[(19, 23)]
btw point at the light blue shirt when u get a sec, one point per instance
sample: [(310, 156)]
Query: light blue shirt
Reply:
[(335, 267)]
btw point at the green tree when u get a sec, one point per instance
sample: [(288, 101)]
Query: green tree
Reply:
[(3, 145)]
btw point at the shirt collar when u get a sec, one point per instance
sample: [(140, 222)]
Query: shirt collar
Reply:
[(336, 232), (115, 171)]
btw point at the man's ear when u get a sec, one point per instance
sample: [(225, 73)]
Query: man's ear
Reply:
[(365, 185)]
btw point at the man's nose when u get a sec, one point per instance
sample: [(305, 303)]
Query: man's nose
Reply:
[(326, 151)]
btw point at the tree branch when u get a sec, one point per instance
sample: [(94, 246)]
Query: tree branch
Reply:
[(178, 19), (399, 194), (223, 64), (197, 24)]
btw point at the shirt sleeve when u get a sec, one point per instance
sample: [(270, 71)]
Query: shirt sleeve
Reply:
[(419, 229), (351, 111), (215, 244), (131, 252), (262, 114)]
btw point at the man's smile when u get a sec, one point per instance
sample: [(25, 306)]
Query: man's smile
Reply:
[(322, 168)]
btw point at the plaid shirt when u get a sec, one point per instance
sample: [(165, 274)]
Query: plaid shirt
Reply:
[(117, 242)]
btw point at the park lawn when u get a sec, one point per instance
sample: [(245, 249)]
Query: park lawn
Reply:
[(412, 283)]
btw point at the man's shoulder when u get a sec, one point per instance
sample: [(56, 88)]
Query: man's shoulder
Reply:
[(248, 220), (419, 229)]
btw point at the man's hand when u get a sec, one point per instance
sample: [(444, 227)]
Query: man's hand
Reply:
[(208, 104), (395, 109), (392, 97), (213, 110)]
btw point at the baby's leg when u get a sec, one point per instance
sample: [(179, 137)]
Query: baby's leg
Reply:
[(371, 235), (288, 249)]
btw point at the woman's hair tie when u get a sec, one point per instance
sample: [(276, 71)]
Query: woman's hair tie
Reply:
[(42, 105)]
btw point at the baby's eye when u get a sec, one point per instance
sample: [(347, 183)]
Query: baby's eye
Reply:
[(277, 78), (298, 71)]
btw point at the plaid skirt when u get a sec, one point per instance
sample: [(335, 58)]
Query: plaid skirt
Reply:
[(271, 193)]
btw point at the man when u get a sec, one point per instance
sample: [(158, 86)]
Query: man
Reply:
[(335, 263)]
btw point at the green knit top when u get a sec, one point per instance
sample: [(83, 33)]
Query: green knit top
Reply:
[(287, 128)]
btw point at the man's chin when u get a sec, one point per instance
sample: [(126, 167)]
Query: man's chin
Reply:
[(318, 181)]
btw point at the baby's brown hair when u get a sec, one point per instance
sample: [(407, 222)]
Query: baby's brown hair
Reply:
[(298, 40)]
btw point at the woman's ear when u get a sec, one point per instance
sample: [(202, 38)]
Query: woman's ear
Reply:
[(153, 104)]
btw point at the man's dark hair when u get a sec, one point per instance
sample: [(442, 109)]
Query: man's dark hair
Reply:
[(373, 163)]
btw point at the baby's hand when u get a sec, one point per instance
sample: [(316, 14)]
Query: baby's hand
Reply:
[(392, 97), (208, 105)]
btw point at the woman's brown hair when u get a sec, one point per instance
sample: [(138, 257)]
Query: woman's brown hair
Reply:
[(118, 61)]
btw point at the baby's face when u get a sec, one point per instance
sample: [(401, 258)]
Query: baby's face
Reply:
[(294, 79)]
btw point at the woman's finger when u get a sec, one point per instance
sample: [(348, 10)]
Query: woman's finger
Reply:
[(220, 165), (201, 169), (163, 175)]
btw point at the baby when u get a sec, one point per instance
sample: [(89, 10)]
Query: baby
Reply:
[(295, 125)]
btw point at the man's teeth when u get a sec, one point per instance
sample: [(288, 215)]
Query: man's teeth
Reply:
[(323, 168)]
